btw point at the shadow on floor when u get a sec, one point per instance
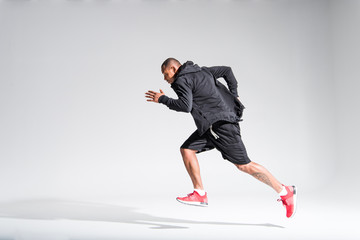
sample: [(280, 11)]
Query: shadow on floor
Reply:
[(76, 210)]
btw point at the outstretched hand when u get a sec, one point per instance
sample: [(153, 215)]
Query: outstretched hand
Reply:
[(153, 96)]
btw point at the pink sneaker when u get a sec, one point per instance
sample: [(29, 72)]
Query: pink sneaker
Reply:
[(289, 201), (194, 199)]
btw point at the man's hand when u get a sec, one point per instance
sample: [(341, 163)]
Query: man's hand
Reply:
[(154, 96)]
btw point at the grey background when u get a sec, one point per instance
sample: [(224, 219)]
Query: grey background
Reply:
[(74, 122)]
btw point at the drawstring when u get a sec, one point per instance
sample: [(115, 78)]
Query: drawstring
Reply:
[(213, 133)]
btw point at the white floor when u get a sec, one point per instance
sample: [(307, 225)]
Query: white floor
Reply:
[(161, 217)]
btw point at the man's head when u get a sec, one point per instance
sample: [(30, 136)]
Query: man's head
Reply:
[(169, 68)]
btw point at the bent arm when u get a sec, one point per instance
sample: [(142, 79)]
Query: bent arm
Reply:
[(184, 101), (228, 75)]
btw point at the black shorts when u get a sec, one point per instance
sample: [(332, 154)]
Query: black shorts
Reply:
[(225, 137)]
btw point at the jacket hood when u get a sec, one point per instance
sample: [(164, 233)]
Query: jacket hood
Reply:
[(188, 67)]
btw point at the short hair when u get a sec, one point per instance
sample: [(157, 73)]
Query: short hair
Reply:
[(168, 62)]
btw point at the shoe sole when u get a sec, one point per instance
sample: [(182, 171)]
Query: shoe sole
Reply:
[(197, 204), (295, 200)]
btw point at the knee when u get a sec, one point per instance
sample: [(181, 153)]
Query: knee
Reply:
[(182, 151), (247, 168), (186, 152)]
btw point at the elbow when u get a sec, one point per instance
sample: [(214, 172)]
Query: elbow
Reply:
[(186, 108), (228, 70)]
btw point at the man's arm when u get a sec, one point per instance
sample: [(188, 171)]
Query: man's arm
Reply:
[(228, 75), (185, 97), (182, 104)]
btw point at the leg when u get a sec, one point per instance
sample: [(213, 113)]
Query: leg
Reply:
[(233, 149), (260, 173), (192, 167)]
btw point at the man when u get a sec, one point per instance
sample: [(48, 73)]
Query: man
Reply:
[(216, 111)]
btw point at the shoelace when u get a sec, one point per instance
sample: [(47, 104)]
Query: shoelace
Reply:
[(282, 201)]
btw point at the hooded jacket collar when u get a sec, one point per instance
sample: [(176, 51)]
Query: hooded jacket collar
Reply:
[(187, 67)]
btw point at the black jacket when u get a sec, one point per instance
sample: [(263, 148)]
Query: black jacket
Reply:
[(200, 93)]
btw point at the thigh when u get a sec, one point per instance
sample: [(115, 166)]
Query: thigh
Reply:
[(198, 143)]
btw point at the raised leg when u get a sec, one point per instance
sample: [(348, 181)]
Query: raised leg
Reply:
[(262, 174)]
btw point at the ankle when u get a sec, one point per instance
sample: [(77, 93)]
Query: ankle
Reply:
[(201, 192), (283, 191)]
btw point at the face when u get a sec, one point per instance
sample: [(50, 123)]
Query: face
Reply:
[(169, 74)]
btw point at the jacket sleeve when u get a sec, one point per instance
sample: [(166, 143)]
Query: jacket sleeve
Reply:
[(185, 97), (227, 74)]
